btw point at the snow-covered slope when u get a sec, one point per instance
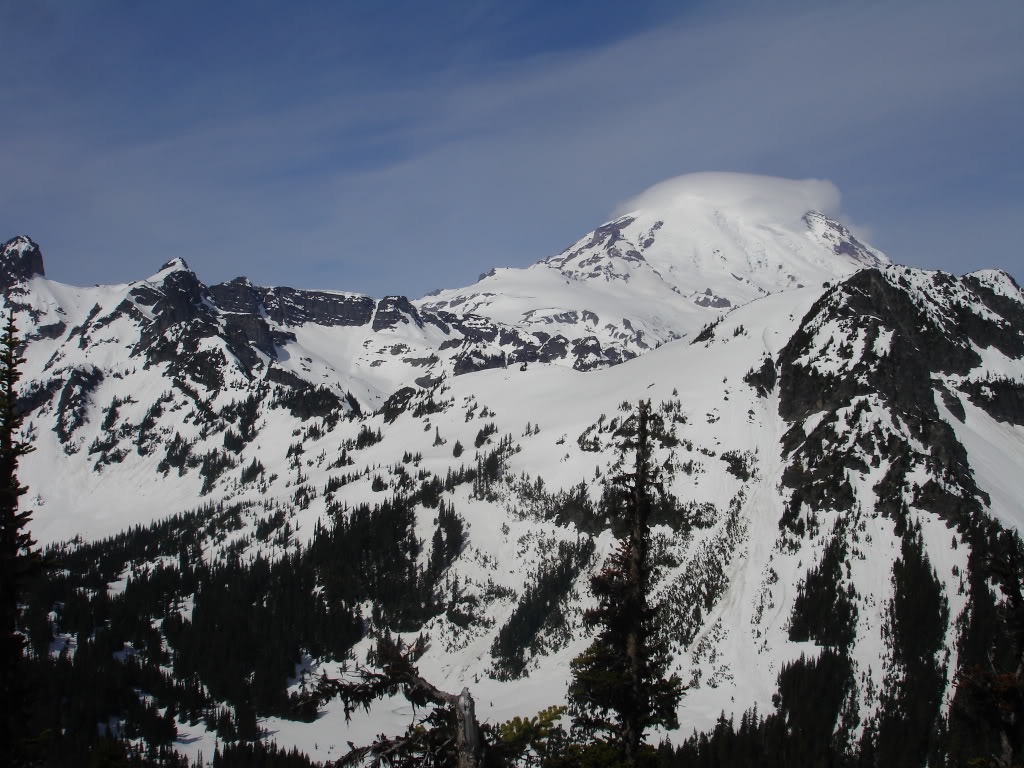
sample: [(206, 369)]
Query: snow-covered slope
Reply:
[(840, 424), (679, 255)]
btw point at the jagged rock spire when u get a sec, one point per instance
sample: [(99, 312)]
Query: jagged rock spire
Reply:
[(20, 260)]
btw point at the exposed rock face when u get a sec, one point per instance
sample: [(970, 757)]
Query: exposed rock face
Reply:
[(813, 459), (393, 311), (204, 337), (840, 462), (708, 299), (179, 298), (20, 260), (598, 256), (892, 348), (874, 384), (667, 269), (290, 306), (843, 242)]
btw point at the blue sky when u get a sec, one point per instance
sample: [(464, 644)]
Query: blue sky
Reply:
[(398, 147)]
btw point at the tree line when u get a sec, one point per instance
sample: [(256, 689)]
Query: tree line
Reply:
[(218, 642)]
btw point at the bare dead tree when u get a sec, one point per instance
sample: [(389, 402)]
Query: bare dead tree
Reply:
[(449, 735)]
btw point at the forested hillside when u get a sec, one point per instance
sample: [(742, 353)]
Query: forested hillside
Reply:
[(240, 492)]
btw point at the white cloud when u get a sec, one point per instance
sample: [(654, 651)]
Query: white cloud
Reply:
[(371, 186), (763, 197)]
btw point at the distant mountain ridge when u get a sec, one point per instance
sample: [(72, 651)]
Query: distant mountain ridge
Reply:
[(845, 439)]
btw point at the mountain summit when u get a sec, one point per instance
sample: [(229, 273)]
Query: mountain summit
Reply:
[(674, 258), (286, 475), (20, 260)]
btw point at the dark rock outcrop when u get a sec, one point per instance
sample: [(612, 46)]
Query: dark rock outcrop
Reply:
[(393, 311), (20, 260)]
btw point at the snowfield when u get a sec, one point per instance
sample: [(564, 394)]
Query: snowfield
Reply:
[(698, 287)]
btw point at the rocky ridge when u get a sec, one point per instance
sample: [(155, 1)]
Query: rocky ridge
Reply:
[(845, 445)]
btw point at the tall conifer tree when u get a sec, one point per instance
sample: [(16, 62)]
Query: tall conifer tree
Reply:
[(17, 556), (618, 687)]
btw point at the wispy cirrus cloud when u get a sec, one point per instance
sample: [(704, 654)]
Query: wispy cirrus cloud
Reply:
[(332, 172)]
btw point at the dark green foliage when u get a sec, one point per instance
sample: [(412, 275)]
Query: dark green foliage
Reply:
[(235, 602), (448, 540), (371, 553), (247, 626), (113, 410), (250, 621), (707, 333), (243, 414), (397, 404), (233, 442), (430, 491), (259, 755), (542, 599), (619, 689), (146, 436), (179, 455), (462, 475), (203, 414), (818, 476), (823, 610), (531, 741), (907, 729), (267, 526), (338, 481), (986, 719), (664, 510), (109, 752), (306, 401), (485, 432), (1001, 397), (252, 471), (213, 466), (762, 379), (74, 397), (490, 467), (427, 404), (457, 449), (367, 437), (590, 439), (343, 460), (109, 451), (805, 730), (812, 694), (919, 612), (740, 465), (19, 560), (574, 507), (36, 394)]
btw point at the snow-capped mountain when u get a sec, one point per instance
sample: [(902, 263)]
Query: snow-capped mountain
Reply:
[(844, 438), (678, 256)]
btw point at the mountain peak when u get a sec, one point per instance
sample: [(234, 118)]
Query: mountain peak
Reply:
[(175, 264), (20, 260), (672, 260)]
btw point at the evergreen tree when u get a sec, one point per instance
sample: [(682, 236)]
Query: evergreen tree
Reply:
[(618, 687), (17, 556), (986, 721)]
